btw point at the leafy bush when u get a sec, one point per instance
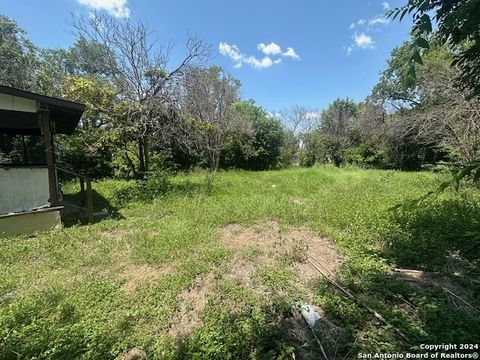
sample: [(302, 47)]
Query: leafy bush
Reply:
[(159, 184), (322, 148), (88, 151), (155, 185), (256, 150), (367, 156)]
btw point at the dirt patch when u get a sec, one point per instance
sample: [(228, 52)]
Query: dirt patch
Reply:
[(134, 275), (295, 328), (192, 302), (133, 354), (274, 244), (131, 274), (255, 247), (264, 236), (240, 271), (458, 265)]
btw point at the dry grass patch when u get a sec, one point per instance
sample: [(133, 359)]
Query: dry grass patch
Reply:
[(116, 235), (133, 354), (192, 302), (274, 244), (133, 275), (256, 247)]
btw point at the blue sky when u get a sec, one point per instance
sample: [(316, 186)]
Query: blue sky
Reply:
[(285, 52)]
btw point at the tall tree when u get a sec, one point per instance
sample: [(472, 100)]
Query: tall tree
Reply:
[(457, 26), (297, 121), (18, 56), (256, 149), (208, 104), (329, 141), (336, 119), (142, 73), (430, 112)]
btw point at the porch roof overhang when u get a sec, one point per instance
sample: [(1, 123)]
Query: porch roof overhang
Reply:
[(19, 112)]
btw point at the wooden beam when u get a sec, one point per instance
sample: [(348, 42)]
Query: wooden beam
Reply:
[(82, 192), (89, 201), (46, 129)]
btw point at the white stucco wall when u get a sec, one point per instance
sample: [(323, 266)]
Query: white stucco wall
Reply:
[(23, 189)]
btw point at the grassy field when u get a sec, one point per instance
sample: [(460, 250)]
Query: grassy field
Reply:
[(215, 267)]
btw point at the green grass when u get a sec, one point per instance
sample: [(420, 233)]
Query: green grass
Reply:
[(62, 293)]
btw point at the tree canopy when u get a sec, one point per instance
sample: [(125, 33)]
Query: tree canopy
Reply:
[(457, 26)]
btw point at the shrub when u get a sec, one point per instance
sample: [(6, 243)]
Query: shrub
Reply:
[(87, 151), (322, 148), (367, 156), (155, 185), (258, 149)]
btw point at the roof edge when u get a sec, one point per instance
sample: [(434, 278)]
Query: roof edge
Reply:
[(48, 100)]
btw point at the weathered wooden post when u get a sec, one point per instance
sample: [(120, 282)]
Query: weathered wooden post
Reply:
[(46, 130), (89, 201), (83, 198)]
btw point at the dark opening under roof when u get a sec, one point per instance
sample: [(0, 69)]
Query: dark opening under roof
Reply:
[(65, 114)]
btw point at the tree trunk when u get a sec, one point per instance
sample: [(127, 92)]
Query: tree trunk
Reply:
[(141, 158), (132, 166), (214, 159), (146, 154)]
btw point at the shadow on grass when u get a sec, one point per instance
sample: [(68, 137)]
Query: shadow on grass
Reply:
[(414, 317), (100, 204), (440, 235), (260, 332), (158, 187)]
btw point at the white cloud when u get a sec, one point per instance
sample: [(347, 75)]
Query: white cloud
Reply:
[(386, 5), (291, 53), (274, 49), (270, 49), (266, 62), (234, 53), (381, 20), (117, 8), (366, 27), (231, 51), (364, 41), (358, 23)]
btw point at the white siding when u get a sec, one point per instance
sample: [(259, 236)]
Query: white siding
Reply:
[(15, 103), (23, 189)]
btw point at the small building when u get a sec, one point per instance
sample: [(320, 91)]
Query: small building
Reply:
[(30, 196)]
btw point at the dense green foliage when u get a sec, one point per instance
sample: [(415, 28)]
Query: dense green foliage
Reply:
[(128, 138), (63, 292), (18, 55), (406, 123), (258, 149), (457, 26)]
